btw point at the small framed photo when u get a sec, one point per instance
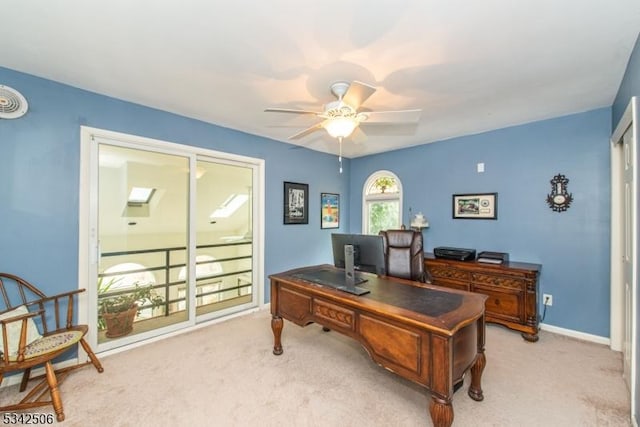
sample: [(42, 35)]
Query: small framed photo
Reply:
[(329, 210), (296, 203), (475, 206)]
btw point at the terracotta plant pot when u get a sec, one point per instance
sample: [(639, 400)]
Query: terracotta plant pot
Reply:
[(120, 324)]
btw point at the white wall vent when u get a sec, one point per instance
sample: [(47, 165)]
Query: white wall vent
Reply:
[(12, 103)]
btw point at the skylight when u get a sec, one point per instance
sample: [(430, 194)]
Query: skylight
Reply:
[(140, 195), (229, 206)]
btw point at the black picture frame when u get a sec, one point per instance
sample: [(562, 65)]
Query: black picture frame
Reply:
[(296, 203), (475, 206), (329, 210)]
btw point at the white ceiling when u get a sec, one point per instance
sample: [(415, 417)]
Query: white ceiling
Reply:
[(471, 66)]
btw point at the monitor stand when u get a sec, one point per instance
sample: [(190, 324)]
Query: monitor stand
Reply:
[(350, 279)]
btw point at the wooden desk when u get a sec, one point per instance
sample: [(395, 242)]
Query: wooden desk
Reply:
[(421, 332)]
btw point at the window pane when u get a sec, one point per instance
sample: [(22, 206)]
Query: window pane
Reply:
[(383, 185), (138, 238), (224, 235), (383, 215)]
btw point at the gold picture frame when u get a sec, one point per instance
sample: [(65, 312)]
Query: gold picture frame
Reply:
[(475, 206)]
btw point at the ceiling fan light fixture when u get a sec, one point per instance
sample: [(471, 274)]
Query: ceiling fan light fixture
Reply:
[(340, 127)]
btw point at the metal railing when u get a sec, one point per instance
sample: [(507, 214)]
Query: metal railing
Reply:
[(166, 267)]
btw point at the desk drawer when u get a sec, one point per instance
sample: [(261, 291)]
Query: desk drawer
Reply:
[(498, 281), (502, 304), (449, 273), (333, 316)]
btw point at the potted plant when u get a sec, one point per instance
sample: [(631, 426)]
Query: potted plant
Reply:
[(118, 312)]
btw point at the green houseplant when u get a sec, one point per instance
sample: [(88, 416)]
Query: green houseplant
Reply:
[(117, 312)]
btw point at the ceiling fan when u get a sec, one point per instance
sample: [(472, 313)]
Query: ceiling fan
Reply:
[(341, 118)]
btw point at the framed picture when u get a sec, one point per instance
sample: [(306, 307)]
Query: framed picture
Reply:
[(296, 203), (475, 206), (329, 210)]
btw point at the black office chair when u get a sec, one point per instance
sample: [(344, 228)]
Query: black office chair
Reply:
[(404, 254)]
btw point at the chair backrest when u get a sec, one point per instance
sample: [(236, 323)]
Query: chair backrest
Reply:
[(404, 254), (16, 291), (54, 312)]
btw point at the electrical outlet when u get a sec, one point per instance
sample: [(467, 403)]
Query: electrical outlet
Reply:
[(547, 299)]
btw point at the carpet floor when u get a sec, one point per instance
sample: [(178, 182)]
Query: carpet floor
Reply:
[(226, 375)]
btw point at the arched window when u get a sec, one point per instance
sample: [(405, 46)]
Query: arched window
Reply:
[(381, 202)]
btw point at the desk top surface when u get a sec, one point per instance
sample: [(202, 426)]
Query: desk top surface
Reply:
[(447, 309)]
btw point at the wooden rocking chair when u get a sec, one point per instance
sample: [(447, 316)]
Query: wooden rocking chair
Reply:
[(23, 309)]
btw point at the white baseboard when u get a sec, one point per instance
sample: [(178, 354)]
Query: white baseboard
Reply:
[(576, 334)]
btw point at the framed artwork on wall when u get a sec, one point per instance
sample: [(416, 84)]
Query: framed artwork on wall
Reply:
[(296, 203), (329, 210), (475, 206)]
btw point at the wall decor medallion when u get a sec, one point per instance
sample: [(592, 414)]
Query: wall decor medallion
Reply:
[(559, 199)]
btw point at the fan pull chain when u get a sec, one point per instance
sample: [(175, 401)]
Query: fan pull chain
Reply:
[(340, 158)]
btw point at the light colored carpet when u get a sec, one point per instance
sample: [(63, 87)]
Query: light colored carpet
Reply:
[(226, 375)]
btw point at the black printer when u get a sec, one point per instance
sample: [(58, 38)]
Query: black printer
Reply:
[(459, 254)]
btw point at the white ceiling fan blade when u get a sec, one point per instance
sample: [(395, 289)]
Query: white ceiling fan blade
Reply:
[(307, 131), (401, 116), (357, 93), (290, 110), (358, 136)]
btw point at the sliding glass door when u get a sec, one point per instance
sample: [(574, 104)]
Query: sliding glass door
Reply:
[(175, 234), (224, 236)]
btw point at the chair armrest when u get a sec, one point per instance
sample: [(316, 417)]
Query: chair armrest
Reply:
[(20, 317), (62, 295)]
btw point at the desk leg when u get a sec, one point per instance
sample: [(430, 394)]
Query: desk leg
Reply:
[(441, 411), (276, 326), (475, 390)]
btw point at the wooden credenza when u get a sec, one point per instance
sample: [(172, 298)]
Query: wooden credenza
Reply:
[(511, 288)]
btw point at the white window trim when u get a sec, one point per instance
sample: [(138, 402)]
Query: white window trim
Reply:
[(391, 196)]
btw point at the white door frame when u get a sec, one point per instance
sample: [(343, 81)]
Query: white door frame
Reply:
[(88, 251), (629, 118)]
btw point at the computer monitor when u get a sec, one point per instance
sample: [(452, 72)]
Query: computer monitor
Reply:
[(368, 252), (353, 253)]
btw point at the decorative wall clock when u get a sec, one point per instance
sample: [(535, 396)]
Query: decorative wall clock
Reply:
[(559, 199)]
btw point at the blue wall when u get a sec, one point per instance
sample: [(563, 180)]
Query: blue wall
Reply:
[(630, 87), (40, 167), (573, 247), (40, 176)]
